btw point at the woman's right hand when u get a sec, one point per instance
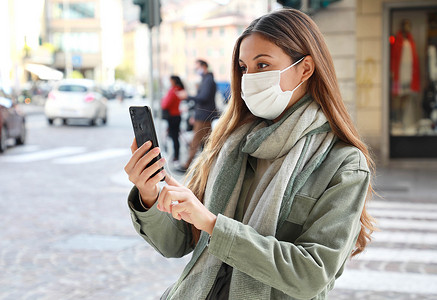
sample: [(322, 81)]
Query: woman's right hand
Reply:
[(141, 176)]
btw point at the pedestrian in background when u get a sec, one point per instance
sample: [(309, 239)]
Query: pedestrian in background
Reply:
[(170, 112), (204, 110), (275, 205)]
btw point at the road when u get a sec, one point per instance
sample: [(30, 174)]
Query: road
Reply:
[(66, 231)]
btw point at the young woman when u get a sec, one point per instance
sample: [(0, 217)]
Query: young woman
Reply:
[(170, 107), (275, 204)]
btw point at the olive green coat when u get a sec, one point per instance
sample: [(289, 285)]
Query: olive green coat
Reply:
[(308, 252)]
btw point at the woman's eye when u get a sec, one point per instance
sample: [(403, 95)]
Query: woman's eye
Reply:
[(262, 65), (243, 69)]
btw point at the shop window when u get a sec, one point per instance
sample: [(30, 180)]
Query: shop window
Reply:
[(413, 83), (83, 10), (80, 42)]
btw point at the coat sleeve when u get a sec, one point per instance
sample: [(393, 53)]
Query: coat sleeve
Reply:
[(304, 268), (169, 99), (206, 91), (170, 237)]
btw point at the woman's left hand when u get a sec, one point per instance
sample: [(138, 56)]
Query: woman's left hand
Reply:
[(181, 203)]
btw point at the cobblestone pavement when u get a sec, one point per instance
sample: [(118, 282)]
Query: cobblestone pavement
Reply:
[(66, 234)]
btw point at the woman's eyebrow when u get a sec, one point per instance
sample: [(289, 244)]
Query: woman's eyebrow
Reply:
[(256, 57), (260, 55)]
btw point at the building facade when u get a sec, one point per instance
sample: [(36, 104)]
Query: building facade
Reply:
[(384, 52), (86, 35), (202, 29), (51, 39), (20, 30), (396, 77)]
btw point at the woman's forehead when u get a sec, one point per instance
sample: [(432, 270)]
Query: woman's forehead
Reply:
[(256, 44)]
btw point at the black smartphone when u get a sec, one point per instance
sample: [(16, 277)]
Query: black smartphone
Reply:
[(144, 129)]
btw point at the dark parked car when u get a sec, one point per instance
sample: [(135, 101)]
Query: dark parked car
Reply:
[(12, 122)]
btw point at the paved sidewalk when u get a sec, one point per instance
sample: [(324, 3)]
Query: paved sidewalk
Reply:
[(81, 245), (412, 184)]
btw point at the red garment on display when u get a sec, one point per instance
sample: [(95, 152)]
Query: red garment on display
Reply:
[(171, 101), (396, 54)]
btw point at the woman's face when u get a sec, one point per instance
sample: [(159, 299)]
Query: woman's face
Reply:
[(257, 54)]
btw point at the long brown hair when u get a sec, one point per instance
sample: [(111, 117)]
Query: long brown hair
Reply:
[(297, 35)]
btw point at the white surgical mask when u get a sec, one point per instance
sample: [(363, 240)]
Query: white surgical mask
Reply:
[(263, 94)]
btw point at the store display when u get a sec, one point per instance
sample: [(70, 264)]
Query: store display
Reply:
[(413, 74)]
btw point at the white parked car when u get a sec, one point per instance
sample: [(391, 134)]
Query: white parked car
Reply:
[(76, 99)]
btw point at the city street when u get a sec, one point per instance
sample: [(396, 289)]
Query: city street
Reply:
[(66, 232)]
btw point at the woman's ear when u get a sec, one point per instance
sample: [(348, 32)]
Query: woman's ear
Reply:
[(307, 67)]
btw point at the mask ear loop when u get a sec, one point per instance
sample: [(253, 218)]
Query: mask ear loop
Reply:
[(292, 65), (297, 86)]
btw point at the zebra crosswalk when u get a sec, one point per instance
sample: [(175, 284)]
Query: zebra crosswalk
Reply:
[(62, 155), (93, 156), (402, 257)]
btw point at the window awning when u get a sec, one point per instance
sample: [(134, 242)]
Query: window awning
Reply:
[(44, 72)]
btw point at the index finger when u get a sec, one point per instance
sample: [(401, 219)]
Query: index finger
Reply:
[(170, 196), (170, 180)]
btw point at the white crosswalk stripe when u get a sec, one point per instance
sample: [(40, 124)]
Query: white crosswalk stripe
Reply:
[(402, 205), (399, 255), (402, 225), (93, 156), (406, 237), (23, 149), (404, 214), (385, 224), (62, 155), (41, 155), (388, 281)]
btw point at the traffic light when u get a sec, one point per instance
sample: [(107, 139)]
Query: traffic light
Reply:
[(312, 5), (319, 4), (148, 15), (290, 3)]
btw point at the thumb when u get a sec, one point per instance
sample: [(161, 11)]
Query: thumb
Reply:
[(134, 146), (170, 180)]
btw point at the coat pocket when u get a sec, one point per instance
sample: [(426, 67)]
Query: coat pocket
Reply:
[(300, 209)]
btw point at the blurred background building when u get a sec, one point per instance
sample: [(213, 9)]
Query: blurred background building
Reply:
[(87, 36), (78, 38), (104, 40)]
